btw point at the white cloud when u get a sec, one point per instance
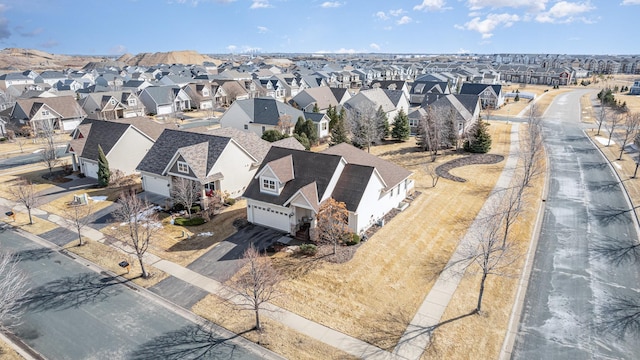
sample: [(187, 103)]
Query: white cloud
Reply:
[(263, 29), (630, 2), (404, 20), (381, 15), (486, 26), (374, 46), (331, 4), (537, 5), (563, 12), (232, 48), (430, 5), (260, 4), (339, 51), (463, 51), (396, 12)]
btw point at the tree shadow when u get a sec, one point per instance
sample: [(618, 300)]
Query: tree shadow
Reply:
[(617, 251), (595, 165), (610, 215), (189, 342), (620, 317), (204, 242), (33, 254), (604, 186), (71, 292)]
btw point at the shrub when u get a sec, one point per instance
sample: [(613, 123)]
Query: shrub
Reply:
[(308, 249), (195, 209), (352, 239), (188, 222), (230, 201)]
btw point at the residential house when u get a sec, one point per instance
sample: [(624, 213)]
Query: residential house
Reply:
[(261, 114), (288, 190), (163, 100), (491, 96), (124, 142), (392, 85), (228, 91), (391, 101), (9, 79), (635, 88), (213, 161), (201, 95), (60, 113), (420, 88), (465, 110), (112, 105), (321, 96)]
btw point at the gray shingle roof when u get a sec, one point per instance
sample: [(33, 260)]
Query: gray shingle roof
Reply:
[(103, 133), (351, 185), (170, 141), (268, 110)]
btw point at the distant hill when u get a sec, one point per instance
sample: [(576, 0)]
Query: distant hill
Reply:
[(15, 59)]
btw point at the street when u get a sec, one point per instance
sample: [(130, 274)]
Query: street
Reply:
[(73, 312), (578, 272), (29, 158)]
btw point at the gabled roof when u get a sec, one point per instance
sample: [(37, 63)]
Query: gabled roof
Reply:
[(170, 141), (196, 157), (307, 166), (352, 184), (390, 173), (323, 96), (103, 133), (310, 194), (268, 111), (477, 89), (394, 96), (249, 141), (66, 106), (282, 168)]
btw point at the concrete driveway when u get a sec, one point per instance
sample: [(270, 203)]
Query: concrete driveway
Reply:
[(220, 263)]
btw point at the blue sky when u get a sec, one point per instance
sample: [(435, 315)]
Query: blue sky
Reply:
[(113, 27)]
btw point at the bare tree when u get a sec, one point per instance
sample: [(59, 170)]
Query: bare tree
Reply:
[(142, 224), (601, 115), (285, 124), (185, 192), (429, 132), (24, 193), (257, 286), (333, 218), (510, 209), (631, 128), (79, 214), (13, 287), (636, 142), (532, 146), (364, 126), (485, 253), (45, 131), (614, 121), (431, 171)]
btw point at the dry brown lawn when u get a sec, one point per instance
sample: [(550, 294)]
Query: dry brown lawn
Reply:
[(34, 176), (108, 258), (39, 226), (60, 206), (482, 341), (275, 336), (184, 244), (513, 108), (7, 352), (12, 147), (373, 296)]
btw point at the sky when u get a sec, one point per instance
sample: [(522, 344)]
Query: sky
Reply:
[(115, 27)]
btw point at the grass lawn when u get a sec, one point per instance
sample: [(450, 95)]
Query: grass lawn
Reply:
[(12, 147), (60, 206), (107, 257), (39, 226), (373, 296), (513, 108), (275, 336), (34, 176), (170, 244), (7, 352)]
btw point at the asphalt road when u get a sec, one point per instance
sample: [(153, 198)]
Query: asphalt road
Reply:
[(578, 274), (30, 158), (72, 312)]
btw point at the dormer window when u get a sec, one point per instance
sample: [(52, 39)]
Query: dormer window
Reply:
[(183, 167), (132, 102), (205, 92), (45, 112), (268, 185)]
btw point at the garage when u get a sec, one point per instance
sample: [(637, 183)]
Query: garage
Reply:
[(155, 184), (271, 216), (89, 169)]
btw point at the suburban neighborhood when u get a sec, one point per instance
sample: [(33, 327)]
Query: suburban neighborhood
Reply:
[(307, 206)]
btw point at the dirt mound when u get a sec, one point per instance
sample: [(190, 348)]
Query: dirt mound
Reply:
[(185, 57), (443, 170), (16, 59)]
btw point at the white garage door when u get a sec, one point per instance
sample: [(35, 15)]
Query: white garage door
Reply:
[(90, 169), (156, 185), (270, 217)]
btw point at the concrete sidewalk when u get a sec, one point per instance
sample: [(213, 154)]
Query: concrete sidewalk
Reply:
[(416, 338)]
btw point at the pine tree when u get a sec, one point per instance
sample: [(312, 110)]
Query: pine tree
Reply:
[(339, 132), (401, 129), (332, 114), (480, 139), (103, 168), (316, 109), (382, 123)]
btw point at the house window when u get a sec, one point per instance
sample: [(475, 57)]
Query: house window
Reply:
[(45, 112), (268, 185), (263, 129), (246, 127), (112, 101), (205, 92), (183, 167), (324, 126), (132, 102), (413, 122)]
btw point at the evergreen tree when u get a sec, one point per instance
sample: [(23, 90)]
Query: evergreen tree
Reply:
[(332, 114), (299, 128), (479, 140), (103, 168), (382, 122), (273, 135), (311, 131), (401, 129), (316, 109), (339, 133), (303, 140)]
